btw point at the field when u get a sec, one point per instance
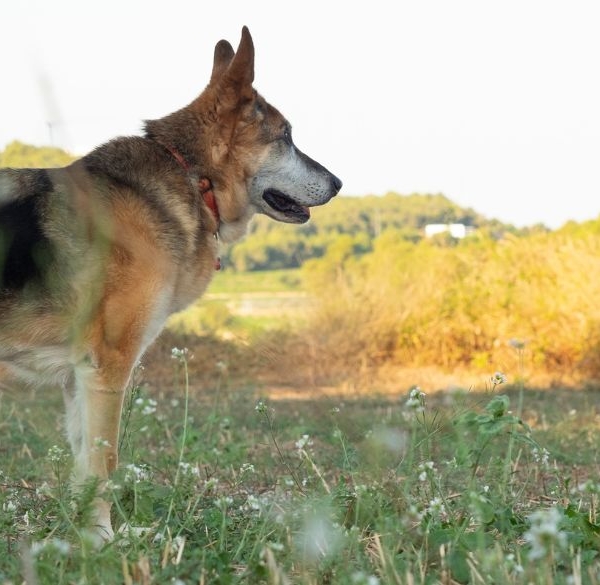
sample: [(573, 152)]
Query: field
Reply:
[(493, 485), (245, 302), (228, 478)]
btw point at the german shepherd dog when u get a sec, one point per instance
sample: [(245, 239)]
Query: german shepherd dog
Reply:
[(95, 256)]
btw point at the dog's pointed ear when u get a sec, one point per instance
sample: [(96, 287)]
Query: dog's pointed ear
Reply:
[(241, 69), (223, 56)]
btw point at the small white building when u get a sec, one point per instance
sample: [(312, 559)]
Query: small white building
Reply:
[(456, 230)]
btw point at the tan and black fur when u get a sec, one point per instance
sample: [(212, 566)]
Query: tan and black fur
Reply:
[(95, 256)]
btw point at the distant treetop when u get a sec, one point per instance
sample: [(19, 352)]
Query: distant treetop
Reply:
[(20, 155)]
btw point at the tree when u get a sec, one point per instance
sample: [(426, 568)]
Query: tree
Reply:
[(20, 155)]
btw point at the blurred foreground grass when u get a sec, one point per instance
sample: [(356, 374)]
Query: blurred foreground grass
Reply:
[(481, 486)]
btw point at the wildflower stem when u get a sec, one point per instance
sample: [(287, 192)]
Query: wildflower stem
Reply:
[(183, 435), (316, 470), (281, 455)]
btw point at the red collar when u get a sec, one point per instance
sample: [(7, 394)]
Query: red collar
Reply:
[(206, 190)]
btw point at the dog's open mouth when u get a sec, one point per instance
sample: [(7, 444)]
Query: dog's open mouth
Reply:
[(293, 212)]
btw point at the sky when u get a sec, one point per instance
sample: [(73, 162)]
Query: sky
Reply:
[(495, 104)]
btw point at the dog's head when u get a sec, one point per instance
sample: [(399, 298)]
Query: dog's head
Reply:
[(254, 143)]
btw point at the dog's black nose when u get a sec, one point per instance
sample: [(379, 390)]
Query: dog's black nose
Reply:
[(337, 183)]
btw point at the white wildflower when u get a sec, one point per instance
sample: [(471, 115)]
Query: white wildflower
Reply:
[(254, 503), (56, 454), (56, 545), (223, 502), (360, 578), (416, 400), (544, 534), (136, 473), (100, 443), (436, 507), (587, 487), (179, 354), (188, 469), (540, 455), (499, 378), (513, 565), (426, 470), (320, 537), (247, 468), (303, 442), (111, 486), (9, 506), (177, 543), (146, 406)]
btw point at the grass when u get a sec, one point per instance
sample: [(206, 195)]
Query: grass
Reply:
[(268, 281), (245, 304), (229, 487)]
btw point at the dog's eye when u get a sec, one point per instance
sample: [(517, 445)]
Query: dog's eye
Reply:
[(287, 135)]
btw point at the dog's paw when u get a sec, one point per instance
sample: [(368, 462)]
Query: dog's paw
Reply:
[(128, 533), (97, 536)]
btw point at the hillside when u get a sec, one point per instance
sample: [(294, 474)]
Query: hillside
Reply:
[(271, 245)]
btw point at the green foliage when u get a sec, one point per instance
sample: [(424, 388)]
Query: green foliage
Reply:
[(20, 155), (222, 489)]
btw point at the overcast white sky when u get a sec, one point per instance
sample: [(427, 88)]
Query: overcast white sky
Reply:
[(495, 104)]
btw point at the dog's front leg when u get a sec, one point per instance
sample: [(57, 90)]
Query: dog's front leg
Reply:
[(93, 417)]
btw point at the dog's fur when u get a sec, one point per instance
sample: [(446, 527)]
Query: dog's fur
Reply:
[(95, 256)]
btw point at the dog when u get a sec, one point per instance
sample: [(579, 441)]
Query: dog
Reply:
[(95, 256)]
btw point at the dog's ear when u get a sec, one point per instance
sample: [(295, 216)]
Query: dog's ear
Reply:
[(240, 72), (223, 56)]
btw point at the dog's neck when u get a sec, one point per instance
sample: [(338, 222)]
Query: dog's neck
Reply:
[(206, 190)]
